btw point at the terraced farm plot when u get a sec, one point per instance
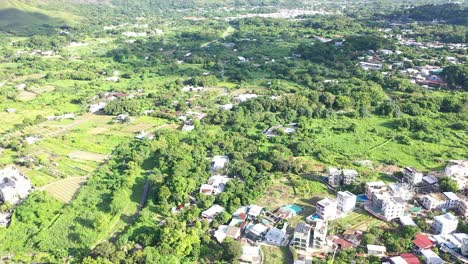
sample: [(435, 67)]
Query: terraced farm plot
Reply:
[(66, 189), (361, 220), (26, 96), (86, 155), (139, 127)]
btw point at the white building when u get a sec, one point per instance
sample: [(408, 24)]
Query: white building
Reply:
[(254, 211), (97, 107), (458, 171), (370, 66), (326, 209), (412, 175), (320, 234), (346, 201), (245, 97), (275, 236), (401, 190), (212, 212), (301, 238), (349, 176), (215, 185), (251, 255), (431, 257), (376, 250), (374, 187), (464, 247), (445, 224), (393, 207), (14, 185), (446, 200), (219, 162)]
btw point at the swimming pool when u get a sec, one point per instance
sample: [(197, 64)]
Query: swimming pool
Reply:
[(362, 198), (298, 209)]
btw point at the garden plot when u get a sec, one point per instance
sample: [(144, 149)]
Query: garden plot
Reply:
[(86, 155), (65, 190), (26, 96)]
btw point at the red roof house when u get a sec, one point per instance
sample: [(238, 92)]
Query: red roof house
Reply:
[(410, 258), (423, 242)]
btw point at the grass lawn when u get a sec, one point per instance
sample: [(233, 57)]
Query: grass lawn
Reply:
[(276, 255)]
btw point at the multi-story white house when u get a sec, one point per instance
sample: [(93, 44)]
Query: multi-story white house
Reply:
[(301, 238), (326, 209), (445, 224), (215, 185), (393, 207), (349, 176), (345, 201), (320, 234), (412, 176), (14, 185), (446, 200), (337, 176)]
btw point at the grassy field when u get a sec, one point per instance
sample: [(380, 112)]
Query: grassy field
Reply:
[(305, 193)]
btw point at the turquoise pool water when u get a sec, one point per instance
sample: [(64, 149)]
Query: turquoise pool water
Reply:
[(298, 209), (362, 198)]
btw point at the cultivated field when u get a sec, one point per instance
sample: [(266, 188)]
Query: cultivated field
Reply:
[(66, 189), (86, 155)]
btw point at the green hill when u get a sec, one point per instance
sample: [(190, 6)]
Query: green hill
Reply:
[(26, 17)]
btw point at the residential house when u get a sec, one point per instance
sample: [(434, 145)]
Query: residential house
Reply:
[(215, 185), (464, 248), (337, 176), (14, 185), (422, 241), (346, 201), (393, 207), (376, 250), (219, 163), (254, 211), (212, 212), (407, 221), (349, 176), (410, 258), (301, 238), (370, 66), (340, 243), (430, 257), (401, 190), (445, 224), (458, 170), (412, 176), (276, 236), (436, 201), (334, 176), (256, 232), (250, 255), (326, 209), (94, 108), (227, 107), (320, 234), (245, 97), (375, 187)]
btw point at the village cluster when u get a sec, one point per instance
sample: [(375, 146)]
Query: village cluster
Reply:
[(414, 195)]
